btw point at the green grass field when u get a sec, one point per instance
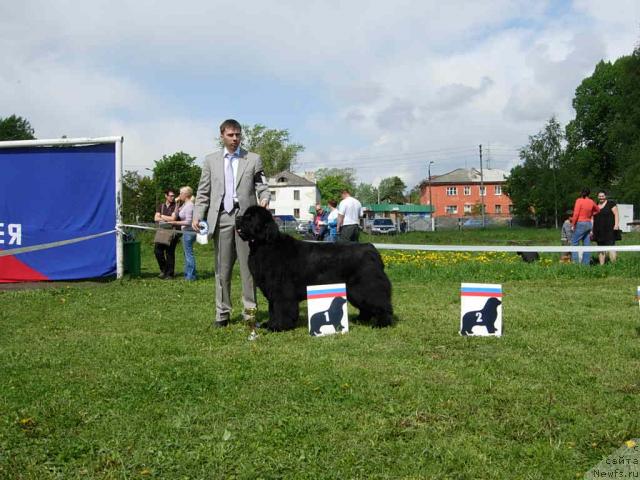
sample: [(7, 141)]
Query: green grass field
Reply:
[(127, 380)]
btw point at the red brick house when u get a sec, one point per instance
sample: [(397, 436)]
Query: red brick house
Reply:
[(458, 194)]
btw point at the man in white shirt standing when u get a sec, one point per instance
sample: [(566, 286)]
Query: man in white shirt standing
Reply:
[(349, 213)]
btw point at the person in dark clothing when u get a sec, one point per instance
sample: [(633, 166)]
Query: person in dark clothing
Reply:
[(604, 225), (166, 254)]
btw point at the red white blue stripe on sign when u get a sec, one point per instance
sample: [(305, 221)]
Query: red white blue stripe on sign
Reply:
[(480, 292), (325, 292)]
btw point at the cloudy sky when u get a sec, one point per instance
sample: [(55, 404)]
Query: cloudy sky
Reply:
[(383, 87)]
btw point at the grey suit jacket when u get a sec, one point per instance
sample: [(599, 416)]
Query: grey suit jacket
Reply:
[(250, 182)]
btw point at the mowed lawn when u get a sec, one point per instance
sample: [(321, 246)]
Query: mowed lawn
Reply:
[(127, 380)]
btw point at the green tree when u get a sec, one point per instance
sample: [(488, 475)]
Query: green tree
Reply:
[(16, 128), (414, 194), (589, 133), (331, 182), (273, 146), (348, 175), (331, 188), (139, 198), (392, 190), (175, 171), (604, 137), (366, 193), (544, 185)]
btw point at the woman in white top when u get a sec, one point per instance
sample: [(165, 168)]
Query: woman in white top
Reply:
[(183, 218)]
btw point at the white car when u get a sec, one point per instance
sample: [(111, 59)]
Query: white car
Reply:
[(383, 226), (303, 227)]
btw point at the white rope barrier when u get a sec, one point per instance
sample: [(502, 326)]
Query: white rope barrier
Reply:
[(476, 248), (510, 248), (45, 246), (379, 246), (153, 229)]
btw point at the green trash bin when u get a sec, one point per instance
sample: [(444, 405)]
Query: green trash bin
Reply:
[(132, 257)]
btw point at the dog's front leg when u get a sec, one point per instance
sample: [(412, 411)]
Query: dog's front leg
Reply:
[(283, 314)]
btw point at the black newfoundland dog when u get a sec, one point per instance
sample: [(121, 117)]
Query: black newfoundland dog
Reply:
[(283, 267)]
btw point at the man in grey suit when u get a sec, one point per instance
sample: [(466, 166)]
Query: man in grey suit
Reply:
[(230, 181)]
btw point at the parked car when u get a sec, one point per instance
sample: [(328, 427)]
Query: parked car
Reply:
[(383, 226), (303, 227)]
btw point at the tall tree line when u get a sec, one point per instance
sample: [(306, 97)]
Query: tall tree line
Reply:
[(599, 148)]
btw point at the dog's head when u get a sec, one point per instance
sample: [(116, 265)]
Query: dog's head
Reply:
[(493, 302), (257, 225)]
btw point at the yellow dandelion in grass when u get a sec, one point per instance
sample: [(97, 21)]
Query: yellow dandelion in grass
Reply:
[(145, 471), (630, 443), (444, 259), (27, 423)]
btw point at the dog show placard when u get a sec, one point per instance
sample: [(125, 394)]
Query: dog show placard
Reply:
[(327, 307), (481, 309)]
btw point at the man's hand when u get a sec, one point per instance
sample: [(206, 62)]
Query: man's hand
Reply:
[(195, 225)]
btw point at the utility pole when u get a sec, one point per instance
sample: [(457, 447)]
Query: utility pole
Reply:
[(482, 192), (433, 224)]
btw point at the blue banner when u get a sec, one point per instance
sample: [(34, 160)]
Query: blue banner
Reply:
[(53, 194)]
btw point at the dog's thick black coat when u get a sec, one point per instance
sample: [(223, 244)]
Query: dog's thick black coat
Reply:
[(332, 316), (487, 317), (283, 267), (529, 257)]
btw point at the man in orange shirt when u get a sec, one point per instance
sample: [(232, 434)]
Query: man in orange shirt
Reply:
[(582, 222)]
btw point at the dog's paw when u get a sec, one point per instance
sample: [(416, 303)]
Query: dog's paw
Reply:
[(382, 322), (264, 326)]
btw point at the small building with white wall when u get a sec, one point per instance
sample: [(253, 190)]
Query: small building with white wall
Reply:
[(625, 214), (292, 194)]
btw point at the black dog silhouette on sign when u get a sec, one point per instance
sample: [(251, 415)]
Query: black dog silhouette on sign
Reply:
[(332, 316), (485, 317)]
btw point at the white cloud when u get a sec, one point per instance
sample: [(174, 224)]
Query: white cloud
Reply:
[(394, 84)]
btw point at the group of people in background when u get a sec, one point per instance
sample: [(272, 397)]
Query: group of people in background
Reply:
[(340, 223), (177, 214), (592, 222)]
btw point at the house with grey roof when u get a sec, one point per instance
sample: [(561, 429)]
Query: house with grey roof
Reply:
[(293, 194)]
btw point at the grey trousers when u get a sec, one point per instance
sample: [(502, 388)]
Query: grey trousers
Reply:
[(230, 246)]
